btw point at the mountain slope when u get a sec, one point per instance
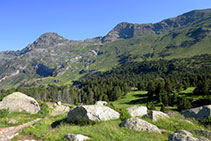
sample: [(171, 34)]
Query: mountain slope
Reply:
[(128, 30), (52, 59)]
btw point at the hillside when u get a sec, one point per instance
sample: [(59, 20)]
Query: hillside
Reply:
[(52, 59)]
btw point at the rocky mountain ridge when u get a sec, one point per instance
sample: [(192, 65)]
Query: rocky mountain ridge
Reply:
[(53, 58), (122, 30)]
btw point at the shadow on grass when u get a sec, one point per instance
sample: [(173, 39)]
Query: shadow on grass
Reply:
[(137, 101), (78, 122), (58, 123), (140, 95)]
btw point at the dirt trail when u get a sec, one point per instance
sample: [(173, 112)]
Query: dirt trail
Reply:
[(7, 133)]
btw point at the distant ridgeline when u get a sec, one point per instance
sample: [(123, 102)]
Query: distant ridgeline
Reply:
[(163, 79)]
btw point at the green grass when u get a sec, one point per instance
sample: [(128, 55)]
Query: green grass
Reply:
[(107, 130), (176, 122), (188, 90), (131, 99), (138, 98), (20, 117)]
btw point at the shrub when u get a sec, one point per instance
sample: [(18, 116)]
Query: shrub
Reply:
[(4, 113), (45, 110), (151, 106), (124, 115), (163, 108), (183, 104), (123, 112)]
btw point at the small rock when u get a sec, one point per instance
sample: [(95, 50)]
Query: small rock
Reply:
[(101, 103), (59, 103), (156, 115), (184, 132), (204, 133), (76, 137), (137, 111), (60, 109), (183, 135), (12, 121), (137, 124)]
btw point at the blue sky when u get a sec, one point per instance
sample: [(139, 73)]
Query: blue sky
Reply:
[(23, 21)]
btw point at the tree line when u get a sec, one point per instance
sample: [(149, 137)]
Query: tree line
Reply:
[(163, 79)]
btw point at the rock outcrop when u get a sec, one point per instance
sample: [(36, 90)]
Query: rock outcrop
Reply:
[(76, 137), (137, 124), (137, 111), (204, 133), (60, 109), (92, 112), (203, 112), (101, 103), (156, 115), (19, 102), (183, 135)]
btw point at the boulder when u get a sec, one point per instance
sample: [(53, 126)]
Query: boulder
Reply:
[(12, 121), (203, 112), (157, 115), (19, 102), (92, 112), (60, 109), (183, 135), (101, 103), (137, 124), (204, 133), (137, 111), (76, 137)]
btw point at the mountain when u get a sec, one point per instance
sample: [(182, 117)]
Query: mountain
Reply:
[(52, 59), (126, 30)]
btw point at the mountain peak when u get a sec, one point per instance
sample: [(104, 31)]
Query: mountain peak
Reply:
[(48, 39), (45, 40), (126, 30)]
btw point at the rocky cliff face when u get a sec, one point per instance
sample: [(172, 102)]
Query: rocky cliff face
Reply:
[(45, 40), (128, 30)]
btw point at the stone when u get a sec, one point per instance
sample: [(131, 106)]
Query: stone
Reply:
[(204, 133), (157, 115), (59, 103), (60, 109), (203, 112), (19, 102), (101, 103), (138, 124), (76, 137), (92, 112), (137, 111), (12, 121), (183, 135), (184, 132)]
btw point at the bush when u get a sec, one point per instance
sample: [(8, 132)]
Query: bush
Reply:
[(163, 108), (45, 110), (205, 122), (4, 113), (183, 104), (124, 115), (123, 112), (151, 106)]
